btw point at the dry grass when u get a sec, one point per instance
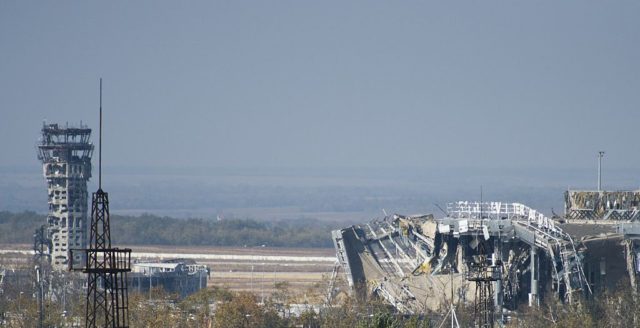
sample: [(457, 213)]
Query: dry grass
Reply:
[(241, 275)]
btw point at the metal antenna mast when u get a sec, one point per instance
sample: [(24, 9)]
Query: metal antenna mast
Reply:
[(106, 267), (452, 309), (41, 255), (100, 143), (600, 155)]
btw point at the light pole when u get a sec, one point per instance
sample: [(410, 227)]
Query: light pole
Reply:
[(262, 285), (20, 303), (251, 279), (40, 297), (600, 154)]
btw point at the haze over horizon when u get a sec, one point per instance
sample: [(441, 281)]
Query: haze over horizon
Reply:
[(345, 105)]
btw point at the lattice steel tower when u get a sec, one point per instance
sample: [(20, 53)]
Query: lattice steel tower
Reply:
[(484, 274), (65, 152), (107, 267)]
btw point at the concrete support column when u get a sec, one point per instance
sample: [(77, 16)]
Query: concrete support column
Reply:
[(631, 269), (533, 295), (497, 285)]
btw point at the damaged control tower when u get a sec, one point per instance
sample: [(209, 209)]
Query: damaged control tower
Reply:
[(65, 152)]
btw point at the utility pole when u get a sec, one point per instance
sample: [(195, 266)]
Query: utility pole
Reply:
[(600, 155), (40, 297), (452, 309), (41, 251), (262, 285)]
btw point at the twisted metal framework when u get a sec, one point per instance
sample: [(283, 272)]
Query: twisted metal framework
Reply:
[(533, 228), (602, 205)]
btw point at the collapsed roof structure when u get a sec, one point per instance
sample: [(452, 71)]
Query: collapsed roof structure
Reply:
[(494, 255)]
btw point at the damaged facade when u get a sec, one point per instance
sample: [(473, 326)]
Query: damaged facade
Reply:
[(180, 276), (607, 225), (492, 255), (65, 153), (602, 205)]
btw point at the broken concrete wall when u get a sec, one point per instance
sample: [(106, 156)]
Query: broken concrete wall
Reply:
[(65, 153), (602, 205)]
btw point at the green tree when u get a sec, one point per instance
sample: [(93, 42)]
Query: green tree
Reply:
[(243, 311)]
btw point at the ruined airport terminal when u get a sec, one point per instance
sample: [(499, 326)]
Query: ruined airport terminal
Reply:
[(495, 256)]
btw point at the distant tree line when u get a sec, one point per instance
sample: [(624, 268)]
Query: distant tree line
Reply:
[(155, 230)]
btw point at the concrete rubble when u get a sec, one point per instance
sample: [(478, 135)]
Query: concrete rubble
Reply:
[(497, 256)]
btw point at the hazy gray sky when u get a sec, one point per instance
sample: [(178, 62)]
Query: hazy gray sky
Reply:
[(327, 83)]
